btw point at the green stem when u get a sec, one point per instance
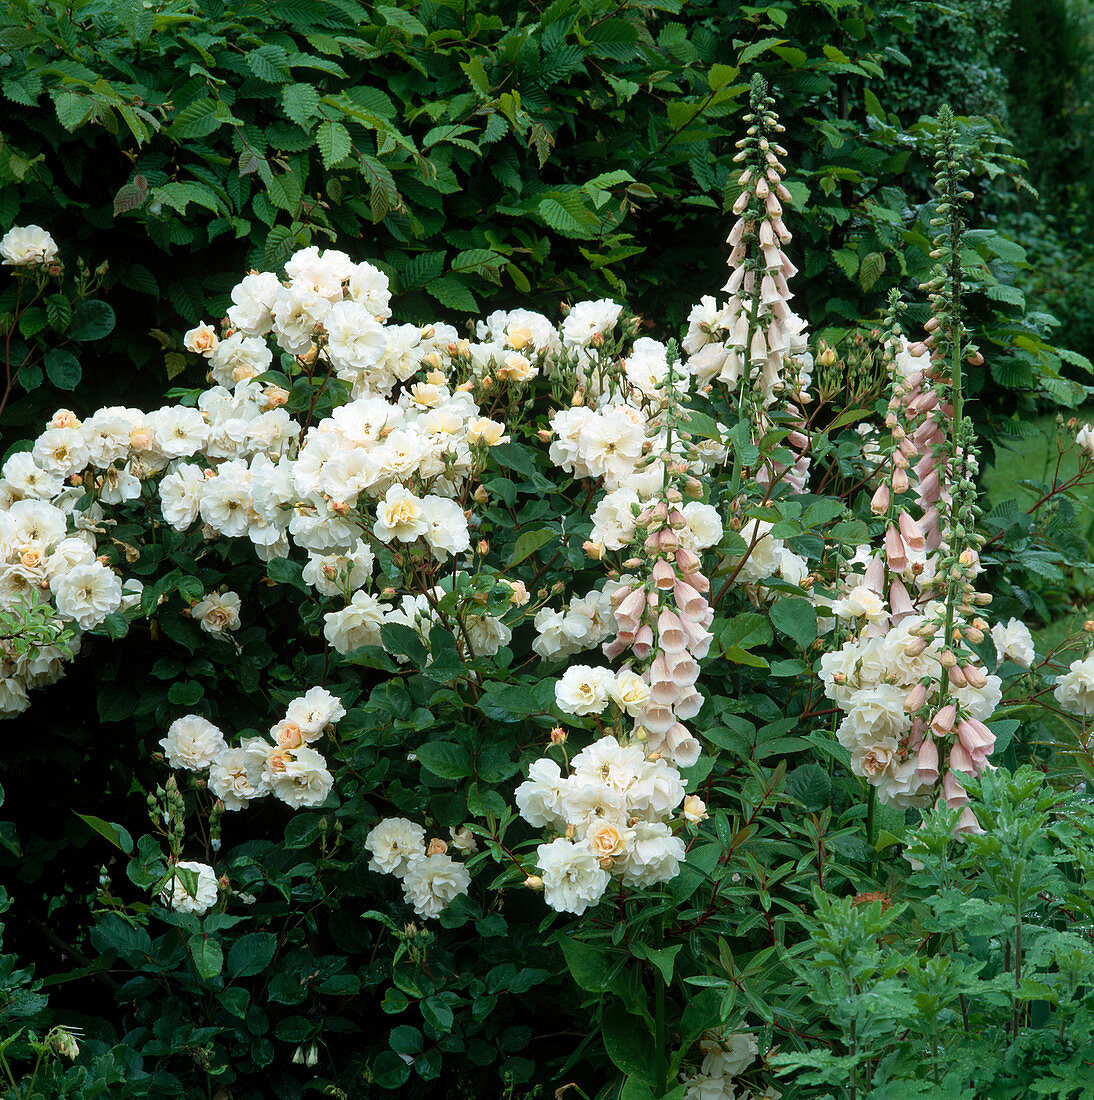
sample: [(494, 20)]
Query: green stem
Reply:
[(661, 1063)]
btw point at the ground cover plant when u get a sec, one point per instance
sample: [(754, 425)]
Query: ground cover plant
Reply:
[(543, 708)]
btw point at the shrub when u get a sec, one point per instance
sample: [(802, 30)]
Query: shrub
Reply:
[(407, 832)]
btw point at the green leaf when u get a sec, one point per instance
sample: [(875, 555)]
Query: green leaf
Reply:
[(438, 1014), (58, 312), (797, 618), (559, 218), (251, 954), (628, 1043), (73, 108), (63, 368), (588, 964), (451, 292), (196, 120), (721, 75), (871, 269), (662, 957), (270, 64), (185, 693), (300, 102), (477, 75), (444, 759), (333, 141), (403, 20), (288, 571), (112, 933), (207, 955), (92, 319), (116, 834), (530, 542), (754, 49)]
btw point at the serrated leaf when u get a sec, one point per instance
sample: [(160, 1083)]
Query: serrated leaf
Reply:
[(207, 955), (333, 141), (251, 954), (452, 294), (58, 312), (411, 26), (72, 108), (444, 759), (92, 319), (195, 120), (269, 63), (797, 618), (300, 102), (871, 269), (131, 195), (559, 218)]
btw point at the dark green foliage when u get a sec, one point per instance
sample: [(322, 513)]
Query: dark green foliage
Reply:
[(483, 154)]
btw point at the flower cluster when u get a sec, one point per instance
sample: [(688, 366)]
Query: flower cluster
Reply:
[(284, 765), (879, 679), (431, 878), (613, 811), (48, 560)]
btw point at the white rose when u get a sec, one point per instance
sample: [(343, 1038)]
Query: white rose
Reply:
[(629, 692), (572, 878), (180, 495), (88, 594), (356, 342), (1075, 688), (192, 742), (201, 340), (176, 895), (393, 843), (1014, 642), (313, 711), (431, 883), (730, 1056), (704, 526), (861, 602), (540, 797), (655, 855), (583, 689), (446, 532), (400, 516), (253, 301), (218, 612), (304, 780), (357, 624), (239, 358), (587, 320), (28, 245), (875, 718), (234, 779)]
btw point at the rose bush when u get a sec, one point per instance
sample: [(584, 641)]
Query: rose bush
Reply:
[(598, 678)]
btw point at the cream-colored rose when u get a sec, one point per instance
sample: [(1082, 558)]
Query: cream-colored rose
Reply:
[(218, 612), (202, 340), (484, 430), (606, 841), (27, 246)]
